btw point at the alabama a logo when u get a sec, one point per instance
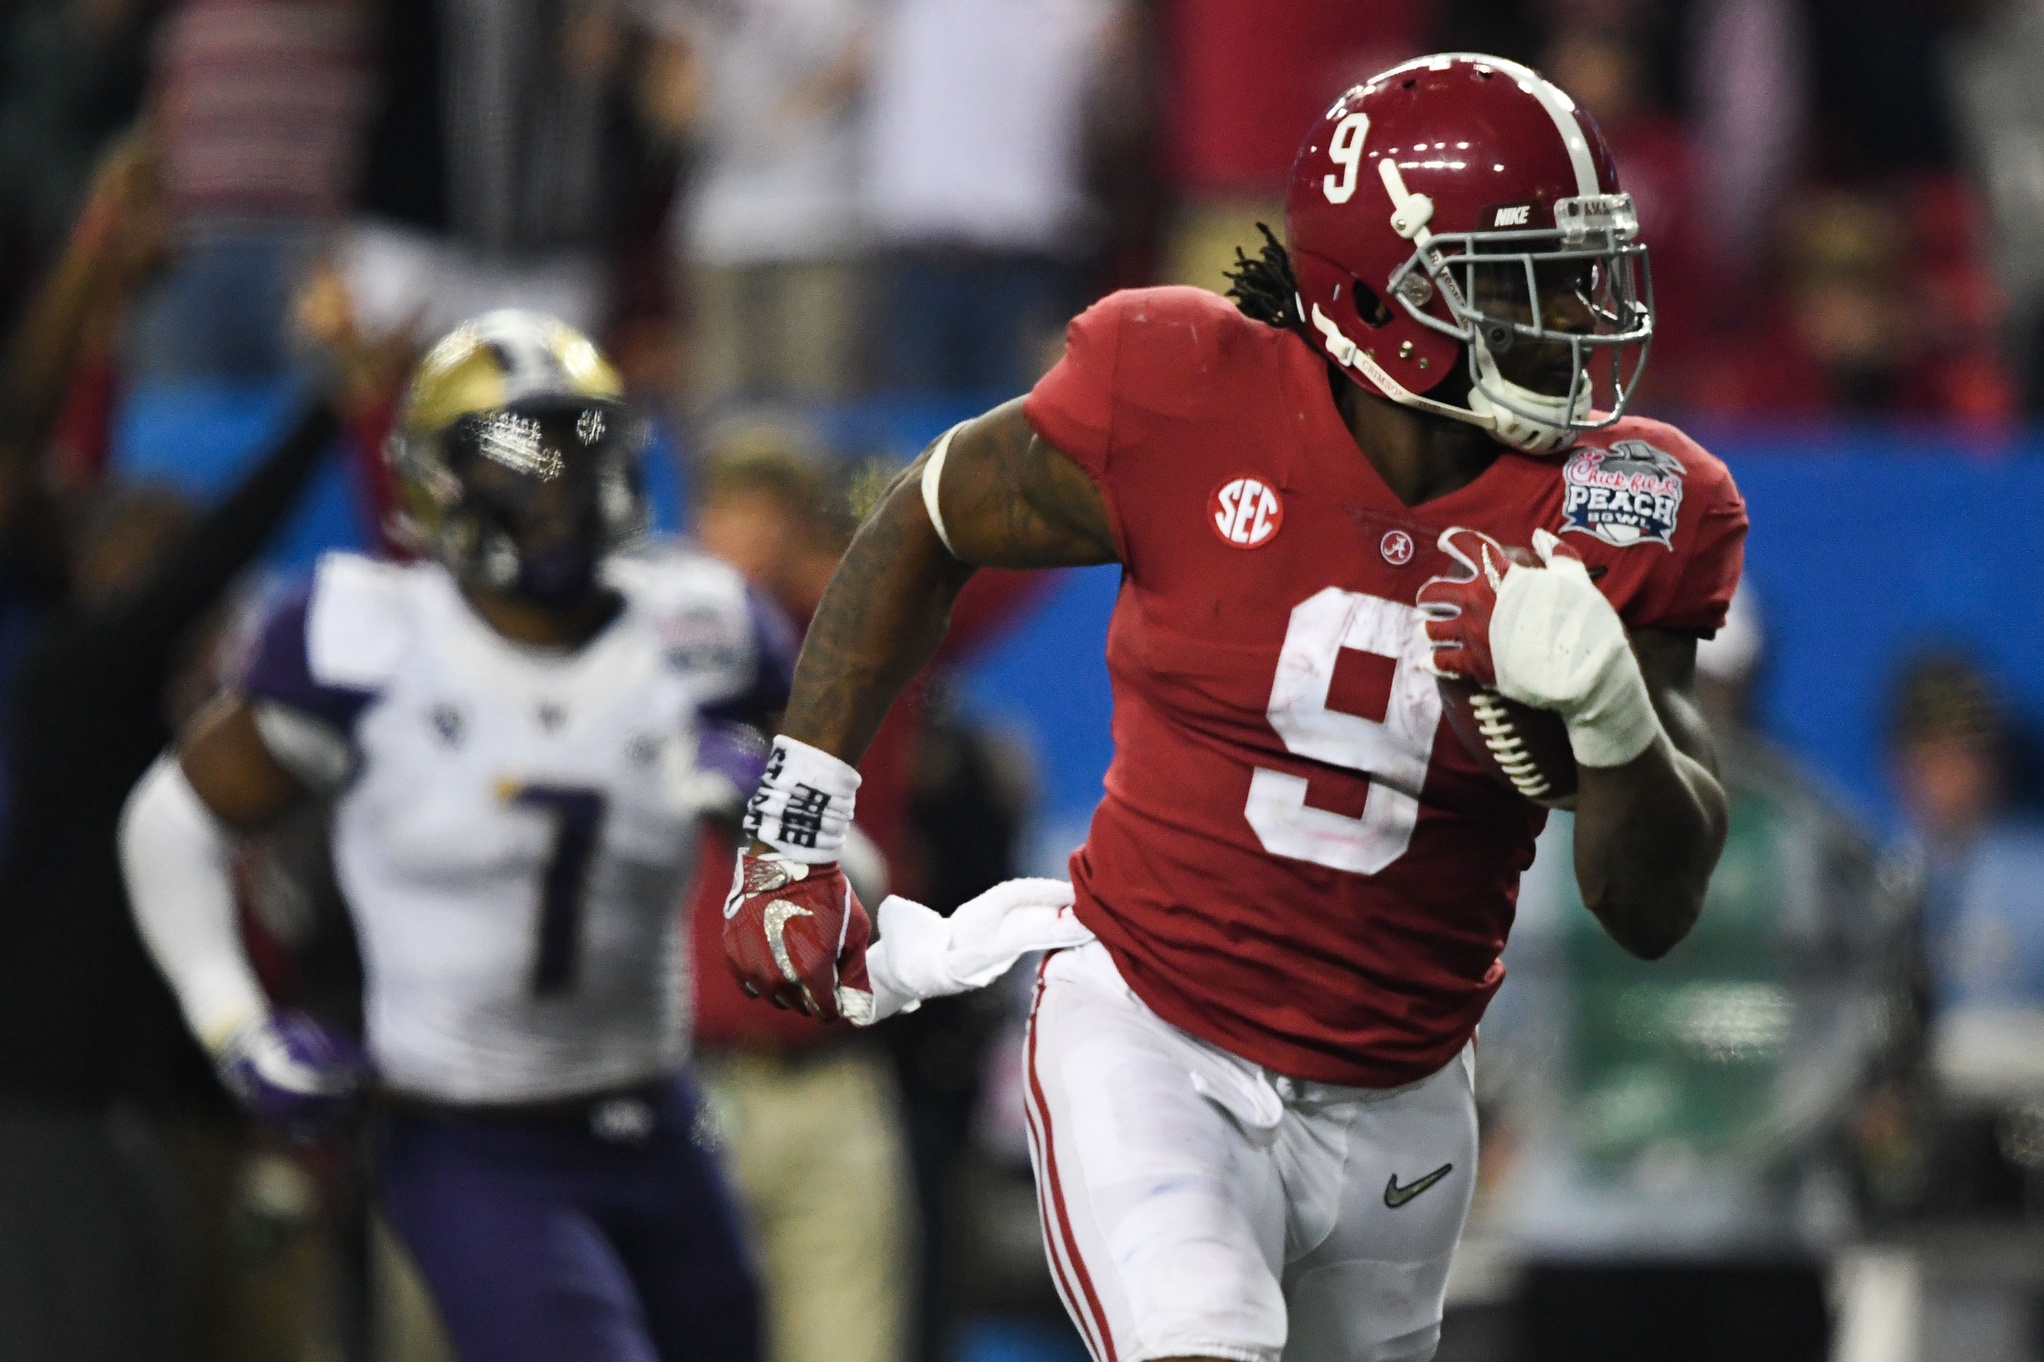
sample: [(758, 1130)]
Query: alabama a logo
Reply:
[(1628, 494)]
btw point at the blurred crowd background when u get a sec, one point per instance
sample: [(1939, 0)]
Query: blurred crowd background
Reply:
[(815, 232)]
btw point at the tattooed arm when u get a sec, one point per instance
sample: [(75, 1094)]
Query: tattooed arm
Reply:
[(1007, 500), (794, 933)]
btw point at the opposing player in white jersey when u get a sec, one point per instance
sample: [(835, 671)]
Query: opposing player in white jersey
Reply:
[(519, 733)]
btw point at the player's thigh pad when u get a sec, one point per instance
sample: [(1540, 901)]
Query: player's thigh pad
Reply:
[(1164, 1217), (1379, 1186)]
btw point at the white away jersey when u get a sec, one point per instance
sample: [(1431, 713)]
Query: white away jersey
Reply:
[(514, 836)]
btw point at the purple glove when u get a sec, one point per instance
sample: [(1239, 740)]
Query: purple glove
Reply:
[(293, 1073), (730, 759)]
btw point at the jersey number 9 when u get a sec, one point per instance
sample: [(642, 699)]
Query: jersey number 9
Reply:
[(1393, 752)]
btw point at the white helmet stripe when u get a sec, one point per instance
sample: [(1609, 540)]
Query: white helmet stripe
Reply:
[(1559, 107)]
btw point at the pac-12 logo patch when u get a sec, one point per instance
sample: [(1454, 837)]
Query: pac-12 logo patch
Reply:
[(1628, 494), (1245, 513)]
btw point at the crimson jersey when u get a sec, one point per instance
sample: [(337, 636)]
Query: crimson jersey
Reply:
[(1295, 858)]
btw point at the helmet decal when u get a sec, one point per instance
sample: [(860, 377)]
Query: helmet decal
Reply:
[(1345, 149), (1560, 108), (517, 443)]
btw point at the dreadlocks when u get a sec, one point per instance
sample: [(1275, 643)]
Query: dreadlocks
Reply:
[(1264, 287)]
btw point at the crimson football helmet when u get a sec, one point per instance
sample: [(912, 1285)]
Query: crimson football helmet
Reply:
[(1457, 207)]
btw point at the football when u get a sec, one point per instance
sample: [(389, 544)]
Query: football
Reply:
[(1524, 747)]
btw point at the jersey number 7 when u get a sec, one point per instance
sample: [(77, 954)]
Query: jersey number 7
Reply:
[(577, 816), (1393, 751)]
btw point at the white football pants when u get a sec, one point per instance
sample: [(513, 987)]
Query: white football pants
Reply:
[(1197, 1205)]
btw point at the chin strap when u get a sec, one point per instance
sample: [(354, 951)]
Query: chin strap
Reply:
[(1514, 428), (1553, 430), (1347, 353)]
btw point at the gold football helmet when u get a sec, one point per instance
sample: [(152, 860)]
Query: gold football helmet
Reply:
[(516, 458)]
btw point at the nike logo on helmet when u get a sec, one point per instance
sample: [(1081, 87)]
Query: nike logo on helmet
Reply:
[(1396, 1196)]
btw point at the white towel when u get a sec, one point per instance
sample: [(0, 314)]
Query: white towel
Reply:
[(919, 954)]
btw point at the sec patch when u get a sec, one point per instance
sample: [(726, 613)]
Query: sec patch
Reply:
[(1245, 513)]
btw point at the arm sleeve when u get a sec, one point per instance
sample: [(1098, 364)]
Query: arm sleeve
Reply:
[(177, 858), (189, 580), (1071, 408)]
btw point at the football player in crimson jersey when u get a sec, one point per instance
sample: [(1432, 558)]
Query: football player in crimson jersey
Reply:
[(1249, 1096)]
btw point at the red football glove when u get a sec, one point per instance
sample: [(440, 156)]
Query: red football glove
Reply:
[(1457, 608), (793, 933)]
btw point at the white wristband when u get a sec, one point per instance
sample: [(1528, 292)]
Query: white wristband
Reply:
[(804, 803)]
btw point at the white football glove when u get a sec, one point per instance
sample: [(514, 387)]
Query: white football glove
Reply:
[(920, 954), (1558, 644)]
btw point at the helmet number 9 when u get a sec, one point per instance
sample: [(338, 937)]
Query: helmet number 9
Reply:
[(1345, 149)]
